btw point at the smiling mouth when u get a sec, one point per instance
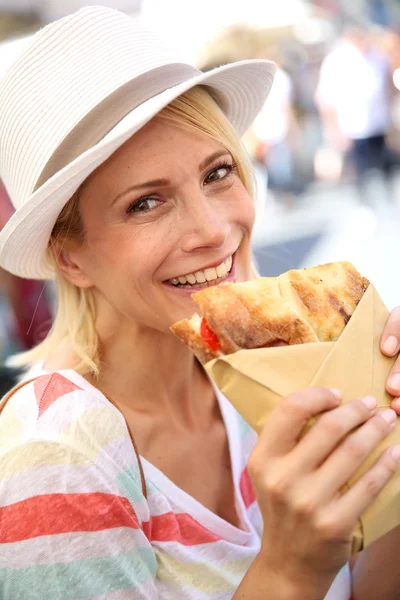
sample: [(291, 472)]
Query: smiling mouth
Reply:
[(205, 278)]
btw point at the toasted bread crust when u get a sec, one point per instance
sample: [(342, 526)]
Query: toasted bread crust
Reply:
[(252, 315), (325, 296), (298, 307)]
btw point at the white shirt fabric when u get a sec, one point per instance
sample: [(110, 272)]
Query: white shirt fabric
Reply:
[(67, 460)]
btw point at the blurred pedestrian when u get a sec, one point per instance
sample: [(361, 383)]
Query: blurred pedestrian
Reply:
[(354, 96), (272, 139)]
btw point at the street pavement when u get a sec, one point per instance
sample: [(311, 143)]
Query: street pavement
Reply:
[(331, 224)]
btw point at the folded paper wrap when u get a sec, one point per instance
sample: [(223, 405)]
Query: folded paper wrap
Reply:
[(256, 380)]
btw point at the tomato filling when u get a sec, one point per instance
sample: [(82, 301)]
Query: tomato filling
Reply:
[(209, 336)]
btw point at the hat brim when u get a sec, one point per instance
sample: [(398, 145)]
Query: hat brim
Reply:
[(240, 89)]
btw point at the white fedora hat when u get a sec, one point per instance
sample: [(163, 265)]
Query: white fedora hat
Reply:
[(83, 86)]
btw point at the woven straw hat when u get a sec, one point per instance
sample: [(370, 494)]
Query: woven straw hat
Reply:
[(83, 86)]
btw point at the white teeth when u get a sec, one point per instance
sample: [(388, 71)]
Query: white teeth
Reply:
[(221, 270), (210, 274), (200, 277), (207, 275)]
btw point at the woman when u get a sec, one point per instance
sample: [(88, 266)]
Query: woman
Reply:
[(123, 469)]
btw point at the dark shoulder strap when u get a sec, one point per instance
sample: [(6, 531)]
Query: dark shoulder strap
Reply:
[(22, 384)]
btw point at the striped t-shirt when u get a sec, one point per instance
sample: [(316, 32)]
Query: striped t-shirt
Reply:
[(74, 523)]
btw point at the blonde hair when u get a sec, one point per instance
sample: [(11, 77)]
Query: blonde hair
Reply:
[(74, 325)]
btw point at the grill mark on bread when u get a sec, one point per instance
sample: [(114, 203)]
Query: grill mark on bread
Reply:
[(339, 307), (325, 296)]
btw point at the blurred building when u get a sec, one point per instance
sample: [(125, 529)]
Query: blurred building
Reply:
[(385, 13), (54, 9), (21, 17), (48, 10)]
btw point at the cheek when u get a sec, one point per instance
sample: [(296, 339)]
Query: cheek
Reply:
[(124, 260), (251, 214), (245, 212), (104, 261)]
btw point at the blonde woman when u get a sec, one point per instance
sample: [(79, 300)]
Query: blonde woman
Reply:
[(125, 473)]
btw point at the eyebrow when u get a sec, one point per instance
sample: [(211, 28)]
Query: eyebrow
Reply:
[(164, 182)]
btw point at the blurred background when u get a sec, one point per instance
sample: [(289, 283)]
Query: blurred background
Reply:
[(326, 146)]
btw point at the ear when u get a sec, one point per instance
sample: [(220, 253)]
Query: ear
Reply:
[(69, 266)]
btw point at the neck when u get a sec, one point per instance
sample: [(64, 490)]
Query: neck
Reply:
[(154, 373)]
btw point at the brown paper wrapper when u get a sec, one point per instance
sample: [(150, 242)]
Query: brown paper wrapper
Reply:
[(256, 380)]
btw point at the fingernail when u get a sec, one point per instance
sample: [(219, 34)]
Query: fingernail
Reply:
[(389, 416), (396, 453), (390, 345), (370, 402), (337, 393), (394, 382), (396, 403)]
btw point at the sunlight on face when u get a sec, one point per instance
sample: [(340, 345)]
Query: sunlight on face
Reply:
[(168, 204)]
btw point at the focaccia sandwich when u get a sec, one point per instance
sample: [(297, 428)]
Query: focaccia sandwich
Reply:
[(298, 307)]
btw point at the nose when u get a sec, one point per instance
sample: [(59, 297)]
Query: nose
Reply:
[(205, 224)]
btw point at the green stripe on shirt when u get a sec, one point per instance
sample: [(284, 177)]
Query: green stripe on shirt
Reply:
[(79, 579)]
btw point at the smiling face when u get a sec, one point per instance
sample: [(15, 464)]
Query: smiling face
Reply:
[(165, 215)]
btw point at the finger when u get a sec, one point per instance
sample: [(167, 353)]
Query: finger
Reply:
[(393, 381), (390, 345), (341, 516), (286, 422), (330, 430), (390, 340), (396, 405), (343, 463)]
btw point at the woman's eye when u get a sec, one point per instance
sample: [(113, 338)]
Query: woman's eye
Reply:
[(142, 205), (219, 173)]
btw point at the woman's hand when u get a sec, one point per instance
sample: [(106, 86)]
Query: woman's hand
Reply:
[(390, 346), (308, 523)]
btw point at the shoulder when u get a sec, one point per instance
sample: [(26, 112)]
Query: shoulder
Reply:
[(53, 408), (55, 433), (51, 393), (50, 388)]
